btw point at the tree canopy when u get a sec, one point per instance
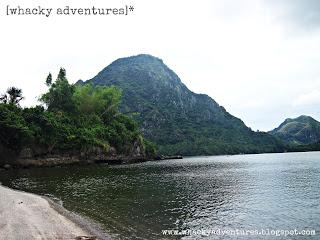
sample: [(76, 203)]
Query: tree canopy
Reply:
[(72, 118), (12, 96)]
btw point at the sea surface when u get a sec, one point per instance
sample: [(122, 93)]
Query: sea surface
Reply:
[(217, 197)]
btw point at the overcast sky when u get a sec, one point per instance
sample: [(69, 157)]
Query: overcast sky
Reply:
[(260, 59)]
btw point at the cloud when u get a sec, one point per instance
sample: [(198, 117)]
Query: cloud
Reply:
[(304, 14), (240, 53), (307, 99)]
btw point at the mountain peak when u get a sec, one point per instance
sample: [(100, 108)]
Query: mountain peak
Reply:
[(178, 120), (300, 130), (142, 69), (304, 118), (140, 58), (300, 119)]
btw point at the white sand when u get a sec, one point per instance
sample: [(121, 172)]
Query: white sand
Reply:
[(25, 216)]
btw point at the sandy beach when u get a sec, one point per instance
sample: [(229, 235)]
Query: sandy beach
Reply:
[(25, 216)]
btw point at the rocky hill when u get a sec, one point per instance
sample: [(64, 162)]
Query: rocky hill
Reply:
[(300, 130), (178, 120)]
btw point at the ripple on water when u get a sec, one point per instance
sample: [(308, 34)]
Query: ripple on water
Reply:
[(276, 191)]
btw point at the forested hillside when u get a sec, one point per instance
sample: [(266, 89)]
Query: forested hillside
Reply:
[(176, 119)]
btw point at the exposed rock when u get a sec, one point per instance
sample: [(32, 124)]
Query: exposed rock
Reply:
[(38, 156), (163, 157), (26, 153), (85, 238), (47, 161)]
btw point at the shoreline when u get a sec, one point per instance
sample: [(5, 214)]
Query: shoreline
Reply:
[(46, 163), (57, 161), (39, 217)]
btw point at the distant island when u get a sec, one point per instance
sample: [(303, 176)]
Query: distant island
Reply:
[(135, 109)]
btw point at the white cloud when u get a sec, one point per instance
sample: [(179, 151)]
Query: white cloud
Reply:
[(311, 98), (238, 52)]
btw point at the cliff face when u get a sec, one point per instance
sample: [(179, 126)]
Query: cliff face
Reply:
[(176, 119), (39, 157)]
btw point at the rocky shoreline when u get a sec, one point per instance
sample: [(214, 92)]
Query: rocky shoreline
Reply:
[(29, 158), (29, 216)]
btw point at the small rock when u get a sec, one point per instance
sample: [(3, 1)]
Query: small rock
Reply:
[(86, 238), (7, 166)]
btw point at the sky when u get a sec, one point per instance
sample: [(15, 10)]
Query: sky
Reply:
[(260, 59)]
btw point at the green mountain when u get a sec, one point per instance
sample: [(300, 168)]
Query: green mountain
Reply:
[(300, 130), (176, 119)]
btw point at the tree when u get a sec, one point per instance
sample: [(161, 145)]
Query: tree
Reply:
[(14, 131), (59, 96), (49, 80), (62, 74), (101, 100), (4, 98), (12, 96)]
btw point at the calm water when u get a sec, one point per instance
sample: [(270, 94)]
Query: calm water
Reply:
[(247, 192)]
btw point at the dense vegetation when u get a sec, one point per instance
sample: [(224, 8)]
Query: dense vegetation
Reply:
[(72, 118), (176, 119), (304, 147)]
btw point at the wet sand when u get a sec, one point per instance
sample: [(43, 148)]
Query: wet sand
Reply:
[(28, 216)]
